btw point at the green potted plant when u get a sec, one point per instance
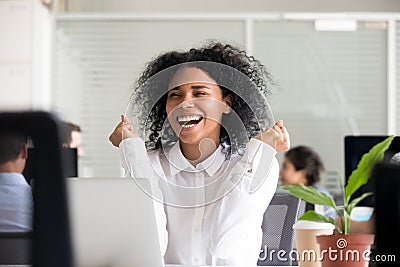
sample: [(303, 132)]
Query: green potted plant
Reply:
[(342, 241)]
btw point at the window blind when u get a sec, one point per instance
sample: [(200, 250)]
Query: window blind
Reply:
[(398, 78), (332, 84), (96, 63)]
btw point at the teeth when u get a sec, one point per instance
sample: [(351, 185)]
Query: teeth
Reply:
[(189, 118), (188, 126)]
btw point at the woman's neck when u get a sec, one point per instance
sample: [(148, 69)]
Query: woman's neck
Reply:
[(196, 153)]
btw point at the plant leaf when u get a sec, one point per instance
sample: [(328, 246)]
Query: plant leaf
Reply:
[(362, 173), (311, 215), (354, 202), (310, 194)]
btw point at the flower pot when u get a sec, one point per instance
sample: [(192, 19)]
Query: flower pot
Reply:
[(345, 250)]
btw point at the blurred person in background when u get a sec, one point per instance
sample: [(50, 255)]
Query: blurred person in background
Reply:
[(16, 201), (73, 137), (302, 165)]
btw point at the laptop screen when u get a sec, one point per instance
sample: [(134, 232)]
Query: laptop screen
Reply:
[(113, 222)]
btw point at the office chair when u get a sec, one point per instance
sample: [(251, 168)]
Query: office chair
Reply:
[(387, 214), (278, 231), (51, 245), (16, 248)]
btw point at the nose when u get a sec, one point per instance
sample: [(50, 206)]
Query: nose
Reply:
[(187, 102)]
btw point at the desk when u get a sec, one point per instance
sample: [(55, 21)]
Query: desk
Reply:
[(168, 265)]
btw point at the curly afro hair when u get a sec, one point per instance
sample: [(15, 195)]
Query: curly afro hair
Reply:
[(239, 75)]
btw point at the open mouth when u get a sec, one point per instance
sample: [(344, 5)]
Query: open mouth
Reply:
[(189, 121)]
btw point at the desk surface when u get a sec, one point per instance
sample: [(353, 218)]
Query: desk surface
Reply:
[(168, 265)]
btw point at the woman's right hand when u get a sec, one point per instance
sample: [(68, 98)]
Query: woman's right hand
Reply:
[(123, 130)]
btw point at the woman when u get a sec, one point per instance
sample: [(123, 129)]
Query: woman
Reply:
[(302, 165), (205, 148)]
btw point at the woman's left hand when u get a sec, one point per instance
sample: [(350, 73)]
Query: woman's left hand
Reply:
[(277, 137)]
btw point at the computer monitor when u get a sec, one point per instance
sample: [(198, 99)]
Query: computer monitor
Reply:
[(387, 178), (355, 147), (69, 158)]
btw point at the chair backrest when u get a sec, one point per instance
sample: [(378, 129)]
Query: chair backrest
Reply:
[(16, 248), (387, 214), (51, 242), (277, 229)]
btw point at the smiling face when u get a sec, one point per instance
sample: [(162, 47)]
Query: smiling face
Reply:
[(195, 105)]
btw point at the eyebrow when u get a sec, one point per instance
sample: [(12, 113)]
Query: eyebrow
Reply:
[(194, 87)]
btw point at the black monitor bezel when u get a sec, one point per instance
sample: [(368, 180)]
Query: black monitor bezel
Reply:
[(355, 147)]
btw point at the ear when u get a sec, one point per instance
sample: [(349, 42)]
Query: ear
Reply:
[(303, 177), (227, 100), (24, 152)]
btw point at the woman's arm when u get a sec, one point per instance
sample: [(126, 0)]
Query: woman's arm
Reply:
[(236, 225), (240, 213), (136, 162)]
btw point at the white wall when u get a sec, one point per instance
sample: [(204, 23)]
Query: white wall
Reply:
[(24, 26), (233, 6), (15, 54)]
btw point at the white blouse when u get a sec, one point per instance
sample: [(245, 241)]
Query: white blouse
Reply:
[(211, 213)]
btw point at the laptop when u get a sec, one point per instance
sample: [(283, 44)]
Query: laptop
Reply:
[(113, 223)]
